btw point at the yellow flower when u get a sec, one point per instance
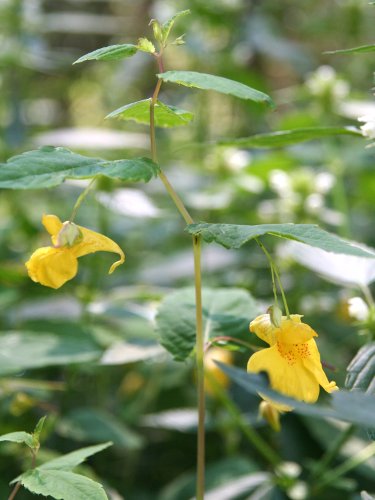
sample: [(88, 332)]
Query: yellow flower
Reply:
[(55, 265), (215, 377), (292, 361)]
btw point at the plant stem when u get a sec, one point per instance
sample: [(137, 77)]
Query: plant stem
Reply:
[(250, 433), (80, 199), (274, 270), (347, 466), (227, 338), (15, 491), (198, 295), (332, 452), (199, 352)]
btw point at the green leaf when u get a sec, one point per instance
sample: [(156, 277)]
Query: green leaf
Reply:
[(226, 311), (20, 351), (289, 137), (361, 374), (50, 166), (218, 83), (19, 437), (38, 429), (234, 236), (70, 460), (62, 485), (168, 25), (354, 407), (110, 53), (146, 46), (361, 370), (355, 50), (165, 115)]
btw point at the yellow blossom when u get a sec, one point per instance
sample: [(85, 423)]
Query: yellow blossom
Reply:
[(292, 361), (55, 265), (214, 377)]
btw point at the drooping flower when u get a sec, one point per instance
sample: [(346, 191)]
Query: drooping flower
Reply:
[(292, 361), (55, 265)]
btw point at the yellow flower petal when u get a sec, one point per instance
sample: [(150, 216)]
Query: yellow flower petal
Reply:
[(96, 242), (264, 329), (52, 266), (292, 332), (314, 365), (289, 379), (52, 224)]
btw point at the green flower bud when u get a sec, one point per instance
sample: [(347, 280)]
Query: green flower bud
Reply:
[(69, 235)]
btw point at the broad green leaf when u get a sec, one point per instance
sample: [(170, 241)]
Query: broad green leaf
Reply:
[(355, 50), (218, 83), (165, 115), (289, 137), (234, 236), (168, 25), (50, 166), (90, 424), (20, 351), (226, 311), (19, 437), (354, 407), (70, 460), (62, 485), (110, 53), (361, 370)]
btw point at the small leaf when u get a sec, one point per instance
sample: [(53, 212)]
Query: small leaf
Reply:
[(355, 50), (50, 166), (38, 429), (110, 53), (146, 46), (234, 236), (217, 83), (62, 485), (165, 115), (355, 407), (168, 25), (289, 137), (361, 370), (226, 311), (19, 437), (70, 460)]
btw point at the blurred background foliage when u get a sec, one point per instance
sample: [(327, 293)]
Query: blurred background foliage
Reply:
[(87, 355)]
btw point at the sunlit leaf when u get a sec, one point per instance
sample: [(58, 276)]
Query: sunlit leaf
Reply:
[(165, 115), (62, 485), (70, 460), (217, 83), (168, 25), (19, 437), (234, 236), (226, 311), (110, 53), (50, 166)]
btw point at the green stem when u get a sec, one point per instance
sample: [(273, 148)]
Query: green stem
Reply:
[(227, 338), (19, 484), (274, 270), (198, 294), (333, 452), (199, 352), (80, 199), (250, 433), (345, 467)]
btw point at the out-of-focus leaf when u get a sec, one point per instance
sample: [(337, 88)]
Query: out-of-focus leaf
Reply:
[(110, 53), (355, 407), (19, 437), (25, 350), (165, 115), (85, 424), (354, 50), (289, 137), (226, 311), (218, 83), (62, 485), (50, 166), (168, 25), (234, 236), (145, 45), (71, 460)]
